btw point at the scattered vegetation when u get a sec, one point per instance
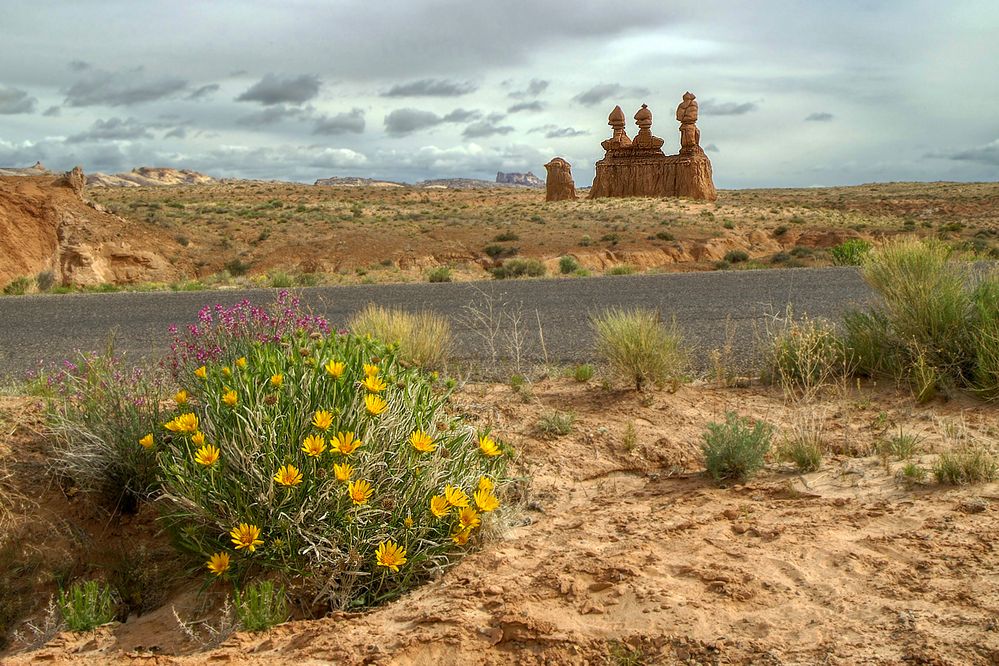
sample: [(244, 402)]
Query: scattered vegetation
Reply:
[(969, 464), (555, 424), (639, 348), (567, 264), (423, 338), (850, 252), (736, 449), (439, 274), (803, 355), (261, 605), (86, 605), (583, 372), (516, 268)]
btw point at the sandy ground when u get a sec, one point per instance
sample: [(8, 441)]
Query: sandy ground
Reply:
[(624, 553)]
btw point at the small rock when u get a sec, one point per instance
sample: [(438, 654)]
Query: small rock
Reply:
[(973, 505)]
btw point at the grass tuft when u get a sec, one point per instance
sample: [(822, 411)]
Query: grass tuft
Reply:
[(639, 348), (737, 448)]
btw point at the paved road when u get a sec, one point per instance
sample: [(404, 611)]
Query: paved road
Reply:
[(51, 327)]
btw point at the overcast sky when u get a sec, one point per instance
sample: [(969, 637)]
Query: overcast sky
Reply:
[(791, 93)]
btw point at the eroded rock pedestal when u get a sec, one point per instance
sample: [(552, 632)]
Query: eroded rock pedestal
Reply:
[(639, 168), (559, 185)]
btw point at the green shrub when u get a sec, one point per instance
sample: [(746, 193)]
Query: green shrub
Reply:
[(499, 251), (639, 348), (583, 373), (260, 606), (911, 473), (45, 280), (736, 256), (851, 252), (423, 338), (515, 268), (85, 606), (567, 264), (237, 267), (623, 269), (901, 446), (506, 236), (803, 355), (971, 464), (254, 472), (555, 424), (737, 448), (665, 236), (280, 280), (439, 274), (17, 287), (803, 444)]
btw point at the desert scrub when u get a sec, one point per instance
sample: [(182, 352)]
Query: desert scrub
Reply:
[(102, 418), (423, 338), (324, 461), (439, 274), (937, 326), (86, 605), (803, 355), (850, 253), (639, 348), (969, 464), (737, 448), (583, 373), (555, 424), (516, 268), (260, 605)]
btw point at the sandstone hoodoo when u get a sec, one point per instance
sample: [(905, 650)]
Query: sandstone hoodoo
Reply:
[(559, 186), (639, 168)]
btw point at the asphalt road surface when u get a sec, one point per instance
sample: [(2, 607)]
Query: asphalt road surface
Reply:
[(708, 307)]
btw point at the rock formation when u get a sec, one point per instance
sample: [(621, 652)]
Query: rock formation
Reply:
[(559, 185), (524, 179), (150, 177), (639, 168), (74, 180)]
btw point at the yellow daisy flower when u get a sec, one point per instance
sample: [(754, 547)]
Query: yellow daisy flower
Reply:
[(226, 371), (201, 373), (207, 455), (313, 446), (230, 398), (198, 439), (322, 419), (277, 380), (468, 518), (288, 476), (147, 441), (343, 471), (374, 404), (371, 370), (408, 522), (390, 555), (246, 536), (218, 563), (488, 446), (241, 362), (422, 442), (346, 443), (183, 423), (374, 384), (455, 496), (335, 368), (486, 501), (180, 397), (439, 506), (485, 483), (461, 537), (360, 491)]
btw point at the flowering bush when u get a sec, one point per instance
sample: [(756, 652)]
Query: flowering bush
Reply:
[(319, 456)]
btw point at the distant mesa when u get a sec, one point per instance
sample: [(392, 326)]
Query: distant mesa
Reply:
[(37, 170), (150, 177), (639, 168), (522, 179), (353, 181)]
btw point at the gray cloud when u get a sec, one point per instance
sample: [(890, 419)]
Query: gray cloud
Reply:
[(431, 88), (527, 106), (176, 133), (341, 123), (564, 133), (204, 91), (272, 90), (462, 116), (99, 87), (604, 91), (113, 129), (711, 148), (485, 128), (78, 65), (985, 154), (819, 117), (271, 116), (534, 88), (406, 121), (53, 111), (713, 108), (14, 101)]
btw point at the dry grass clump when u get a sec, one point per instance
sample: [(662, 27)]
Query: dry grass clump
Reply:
[(969, 464), (802, 443), (803, 355), (423, 338), (639, 348)]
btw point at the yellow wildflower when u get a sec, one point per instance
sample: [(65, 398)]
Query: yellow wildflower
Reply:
[(241, 362), (455, 496), (207, 455), (313, 446), (180, 397), (277, 380), (461, 537), (374, 404), (335, 368), (390, 555), (486, 501), (183, 423), (408, 522), (468, 518), (371, 370), (346, 443), (373, 383), (218, 563), (322, 419), (230, 398), (439, 506), (198, 439), (359, 491), (488, 446), (147, 441), (226, 371), (485, 483), (288, 476), (343, 471), (246, 536), (201, 372), (422, 442)]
